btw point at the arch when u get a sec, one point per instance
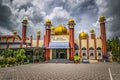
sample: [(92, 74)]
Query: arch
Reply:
[(83, 48), (91, 48), (84, 54), (98, 48)]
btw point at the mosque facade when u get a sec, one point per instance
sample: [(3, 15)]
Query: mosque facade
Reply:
[(59, 42)]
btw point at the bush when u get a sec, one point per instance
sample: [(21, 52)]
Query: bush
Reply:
[(42, 59), (3, 61), (11, 60), (3, 65)]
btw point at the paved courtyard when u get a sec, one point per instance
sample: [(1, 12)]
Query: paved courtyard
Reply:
[(52, 71)]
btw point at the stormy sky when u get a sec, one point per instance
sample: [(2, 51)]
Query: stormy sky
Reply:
[(84, 12)]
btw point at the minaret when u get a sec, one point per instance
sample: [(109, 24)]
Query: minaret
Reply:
[(103, 34), (71, 24), (31, 39), (14, 35), (47, 38), (38, 38), (24, 29), (93, 36)]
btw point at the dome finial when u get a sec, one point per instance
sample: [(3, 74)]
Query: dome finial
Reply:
[(14, 32), (92, 30), (38, 32), (25, 20), (102, 19)]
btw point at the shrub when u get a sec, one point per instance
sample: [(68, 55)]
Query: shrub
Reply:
[(2, 60), (11, 60), (3, 65)]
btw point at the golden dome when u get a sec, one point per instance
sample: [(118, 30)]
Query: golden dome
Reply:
[(60, 30), (38, 32), (83, 35), (14, 32), (71, 21), (92, 31), (25, 21), (102, 19), (67, 31), (47, 21), (52, 28)]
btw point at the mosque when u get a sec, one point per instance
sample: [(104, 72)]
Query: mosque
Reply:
[(59, 42)]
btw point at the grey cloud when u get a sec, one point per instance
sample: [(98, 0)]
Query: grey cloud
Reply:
[(112, 9), (5, 14)]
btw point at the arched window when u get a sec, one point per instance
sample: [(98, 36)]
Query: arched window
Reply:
[(99, 54), (83, 48), (98, 48), (84, 54), (91, 54), (91, 48)]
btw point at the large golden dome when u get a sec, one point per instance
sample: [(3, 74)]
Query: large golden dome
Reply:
[(83, 35), (60, 30)]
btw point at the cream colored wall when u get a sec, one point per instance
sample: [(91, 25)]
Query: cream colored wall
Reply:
[(67, 53), (34, 43), (84, 43), (14, 46), (50, 53), (91, 43), (40, 43), (98, 43)]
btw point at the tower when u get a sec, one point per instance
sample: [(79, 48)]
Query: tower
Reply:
[(71, 24), (31, 39), (24, 29), (47, 38), (93, 36), (38, 38), (103, 34)]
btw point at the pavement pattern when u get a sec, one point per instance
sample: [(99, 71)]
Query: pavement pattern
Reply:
[(61, 71)]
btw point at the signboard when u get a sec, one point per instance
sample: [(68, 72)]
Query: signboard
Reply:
[(60, 38)]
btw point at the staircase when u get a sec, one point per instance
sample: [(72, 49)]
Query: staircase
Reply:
[(60, 61)]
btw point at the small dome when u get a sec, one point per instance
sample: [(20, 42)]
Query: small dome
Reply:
[(68, 32), (48, 21), (83, 35), (70, 20), (60, 30), (38, 32), (102, 19), (14, 32), (25, 21), (52, 28), (92, 31)]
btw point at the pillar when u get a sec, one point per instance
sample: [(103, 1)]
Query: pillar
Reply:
[(87, 37), (103, 34), (7, 38), (31, 40), (93, 36), (71, 24), (47, 38), (24, 29), (38, 38)]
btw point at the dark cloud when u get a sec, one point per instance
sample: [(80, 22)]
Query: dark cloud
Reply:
[(111, 8), (5, 14), (84, 12)]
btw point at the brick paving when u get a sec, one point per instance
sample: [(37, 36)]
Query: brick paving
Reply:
[(52, 71)]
